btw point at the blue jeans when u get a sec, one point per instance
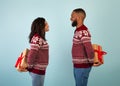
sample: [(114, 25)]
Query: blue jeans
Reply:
[(37, 80), (81, 76)]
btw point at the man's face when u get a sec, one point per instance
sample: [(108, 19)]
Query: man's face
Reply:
[(74, 19)]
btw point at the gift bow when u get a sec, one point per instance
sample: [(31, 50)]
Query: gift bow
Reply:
[(100, 53)]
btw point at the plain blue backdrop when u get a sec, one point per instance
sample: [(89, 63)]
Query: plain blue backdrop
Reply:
[(102, 20)]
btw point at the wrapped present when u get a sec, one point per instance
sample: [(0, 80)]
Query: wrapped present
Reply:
[(98, 55), (21, 63)]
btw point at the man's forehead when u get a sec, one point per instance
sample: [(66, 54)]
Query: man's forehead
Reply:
[(74, 13)]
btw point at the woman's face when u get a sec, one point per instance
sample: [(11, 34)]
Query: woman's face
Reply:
[(46, 26)]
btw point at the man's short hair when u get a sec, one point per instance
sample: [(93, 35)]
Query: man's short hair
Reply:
[(80, 10)]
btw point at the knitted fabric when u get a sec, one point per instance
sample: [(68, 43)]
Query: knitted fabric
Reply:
[(38, 55), (82, 51)]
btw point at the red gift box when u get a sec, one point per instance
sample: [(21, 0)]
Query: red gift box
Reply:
[(98, 55), (21, 63)]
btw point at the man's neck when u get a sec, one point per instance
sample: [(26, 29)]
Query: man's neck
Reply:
[(79, 25)]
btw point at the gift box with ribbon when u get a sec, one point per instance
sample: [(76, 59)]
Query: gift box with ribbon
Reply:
[(98, 55), (21, 63)]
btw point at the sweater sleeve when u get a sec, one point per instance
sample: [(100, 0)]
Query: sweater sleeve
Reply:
[(31, 57), (34, 47), (89, 50), (86, 40)]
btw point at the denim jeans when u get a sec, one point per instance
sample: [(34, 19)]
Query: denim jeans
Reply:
[(81, 76), (37, 80)]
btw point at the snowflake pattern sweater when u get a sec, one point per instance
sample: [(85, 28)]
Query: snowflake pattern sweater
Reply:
[(82, 51), (38, 55)]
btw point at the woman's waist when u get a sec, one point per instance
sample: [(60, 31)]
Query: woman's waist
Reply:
[(37, 71)]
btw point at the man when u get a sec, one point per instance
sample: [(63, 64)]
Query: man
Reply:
[(82, 51)]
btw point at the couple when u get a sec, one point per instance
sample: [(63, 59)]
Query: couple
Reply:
[(82, 52)]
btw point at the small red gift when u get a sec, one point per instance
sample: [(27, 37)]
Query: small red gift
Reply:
[(21, 63), (98, 55)]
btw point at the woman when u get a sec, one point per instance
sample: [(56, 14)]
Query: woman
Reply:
[(38, 55)]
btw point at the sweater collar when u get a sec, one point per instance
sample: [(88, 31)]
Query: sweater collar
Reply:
[(82, 27)]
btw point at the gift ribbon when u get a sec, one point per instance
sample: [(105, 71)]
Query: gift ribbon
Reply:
[(19, 60), (100, 53)]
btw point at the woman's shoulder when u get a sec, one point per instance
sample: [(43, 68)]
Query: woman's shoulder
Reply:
[(35, 38)]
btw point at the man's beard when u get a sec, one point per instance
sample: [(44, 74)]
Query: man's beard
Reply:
[(74, 23)]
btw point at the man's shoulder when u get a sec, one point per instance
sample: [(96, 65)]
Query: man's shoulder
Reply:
[(84, 27), (81, 28)]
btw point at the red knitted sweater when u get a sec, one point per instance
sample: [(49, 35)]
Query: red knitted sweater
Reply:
[(82, 51), (38, 55)]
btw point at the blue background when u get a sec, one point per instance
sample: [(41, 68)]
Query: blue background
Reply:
[(102, 20)]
